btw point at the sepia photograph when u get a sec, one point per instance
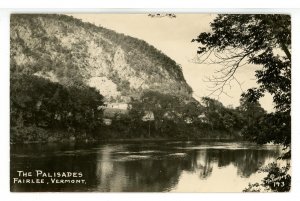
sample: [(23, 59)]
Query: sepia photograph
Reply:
[(150, 102)]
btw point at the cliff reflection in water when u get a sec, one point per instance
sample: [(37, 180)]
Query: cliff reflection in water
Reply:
[(149, 167)]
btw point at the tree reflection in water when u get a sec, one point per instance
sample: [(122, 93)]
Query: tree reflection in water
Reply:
[(147, 167)]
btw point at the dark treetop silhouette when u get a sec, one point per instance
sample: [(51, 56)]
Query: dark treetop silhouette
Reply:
[(264, 40)]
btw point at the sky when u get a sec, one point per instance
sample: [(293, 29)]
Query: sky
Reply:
[(173, 37)]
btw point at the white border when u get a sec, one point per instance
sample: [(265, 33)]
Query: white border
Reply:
[(182, 7), (67, 4)]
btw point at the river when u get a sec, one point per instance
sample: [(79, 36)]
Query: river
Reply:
[(176, 166)]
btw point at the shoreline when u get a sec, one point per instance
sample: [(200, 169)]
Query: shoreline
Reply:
[(129, 140)]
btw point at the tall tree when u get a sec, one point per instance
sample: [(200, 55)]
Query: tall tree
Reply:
[(265, 41)]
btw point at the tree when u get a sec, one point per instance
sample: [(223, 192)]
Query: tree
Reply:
[(252, 114), (220, 117), (170, 115), (265, 40), (213, 112), (39, 103), (163, 107), (262, 40)]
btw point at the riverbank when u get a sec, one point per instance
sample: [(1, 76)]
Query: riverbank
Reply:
[(35, 134), (126, 140)]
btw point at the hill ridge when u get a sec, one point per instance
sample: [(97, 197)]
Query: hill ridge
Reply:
[(72, 51)]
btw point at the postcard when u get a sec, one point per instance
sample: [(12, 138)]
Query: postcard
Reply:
[(150, 102)]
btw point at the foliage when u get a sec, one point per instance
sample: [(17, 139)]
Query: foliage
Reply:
[(46, 43), (253, 116), (265, 41), (277, 180), (175, 117), (62, 50), (163, 106), (220, 117), (37, 102)]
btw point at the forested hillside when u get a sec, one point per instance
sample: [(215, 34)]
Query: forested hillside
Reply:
[(63, 70), (66, 50), (65, 73)]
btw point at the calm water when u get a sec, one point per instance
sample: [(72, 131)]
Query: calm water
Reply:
[(145, 167)]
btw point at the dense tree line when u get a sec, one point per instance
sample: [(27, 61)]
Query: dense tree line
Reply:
[(37, 103), (158, 115)]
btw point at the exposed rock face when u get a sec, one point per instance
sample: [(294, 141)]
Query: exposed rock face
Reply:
[(106, 86), (66, 50)]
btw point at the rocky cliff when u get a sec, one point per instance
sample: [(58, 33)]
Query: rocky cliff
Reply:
[(63, 49)]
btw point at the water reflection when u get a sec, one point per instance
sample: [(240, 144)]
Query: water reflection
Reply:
[(146, 167)]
